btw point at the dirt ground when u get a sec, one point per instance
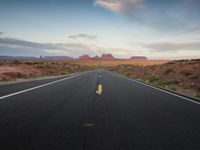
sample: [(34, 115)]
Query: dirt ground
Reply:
[(12, 70), (181, 76), (114, 63)]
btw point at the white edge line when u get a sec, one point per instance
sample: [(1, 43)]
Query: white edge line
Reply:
[(33, 79), (185, 98), (37, 87)]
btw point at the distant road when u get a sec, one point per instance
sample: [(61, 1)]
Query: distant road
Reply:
[(95, 110)]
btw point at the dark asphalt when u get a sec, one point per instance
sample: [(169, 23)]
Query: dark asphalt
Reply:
[(12, 88), (69, 115)]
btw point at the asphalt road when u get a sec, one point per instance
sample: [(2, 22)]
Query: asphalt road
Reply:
[(70, 115)]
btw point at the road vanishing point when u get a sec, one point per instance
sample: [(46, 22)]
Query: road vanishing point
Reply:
[(96, 110)]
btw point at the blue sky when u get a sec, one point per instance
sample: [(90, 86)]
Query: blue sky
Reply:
[(158, 29)]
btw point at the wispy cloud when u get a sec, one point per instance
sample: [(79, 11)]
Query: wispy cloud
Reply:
[(11, 46), (119, 6), (83, 35), (1, 33), (47, 46), (72, 49), (174, 46), (169, 16)]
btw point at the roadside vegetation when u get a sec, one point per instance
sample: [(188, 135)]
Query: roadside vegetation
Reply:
[(16, 69), (182, 76), (13, 70)]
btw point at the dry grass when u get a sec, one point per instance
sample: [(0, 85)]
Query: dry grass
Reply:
[(182, 76), (114, 63), (12, 70)]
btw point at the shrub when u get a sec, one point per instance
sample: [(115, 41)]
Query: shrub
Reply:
[(171, 62), (197, 95), (162, 83), (173, 88), (173, 81), (152, 78), (2, 63), (40, 66), (31, 63), (47, 65), (186, 72), (168, 70), (63, 73), (16, 62), (186, 86)]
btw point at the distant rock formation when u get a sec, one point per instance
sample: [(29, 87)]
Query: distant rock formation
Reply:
[(96, 57), (67, 58), (84, 57), (138, 58), (107, 57), (102, 57)]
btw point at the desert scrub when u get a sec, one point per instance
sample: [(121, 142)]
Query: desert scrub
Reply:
[(173, 88), (34, 76), (28, 63), (186, 72), (63, 73), (40, 66), (186, 86), (48, 65), (197, 95), (163, 83), (2, 63), (151, 78), (171, 62), (16, 62), (168, 70)]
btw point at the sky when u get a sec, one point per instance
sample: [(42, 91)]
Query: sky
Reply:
[(158, 29)]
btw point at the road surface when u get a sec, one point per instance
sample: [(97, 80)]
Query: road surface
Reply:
[(96, 110)]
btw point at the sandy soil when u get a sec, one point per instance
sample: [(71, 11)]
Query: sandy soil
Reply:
[(179, 76)]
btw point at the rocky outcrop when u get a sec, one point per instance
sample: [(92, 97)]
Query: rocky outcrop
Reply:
[(84, 57), (107, 57)]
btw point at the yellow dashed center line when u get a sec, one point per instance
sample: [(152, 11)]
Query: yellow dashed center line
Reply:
[(99, 89)]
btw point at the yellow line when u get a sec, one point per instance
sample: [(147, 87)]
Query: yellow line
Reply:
[(99, 89)]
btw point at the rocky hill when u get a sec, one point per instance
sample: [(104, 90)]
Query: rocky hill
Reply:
[(110, 57), (107, 57), (102, 57), (83, 57)]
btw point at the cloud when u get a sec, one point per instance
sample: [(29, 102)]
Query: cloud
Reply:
[(174, 46), (16, 42), (119, 6), (16, 45), (165, 16), (85, 36), (195, 29), (47, 46), (1, 33)]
